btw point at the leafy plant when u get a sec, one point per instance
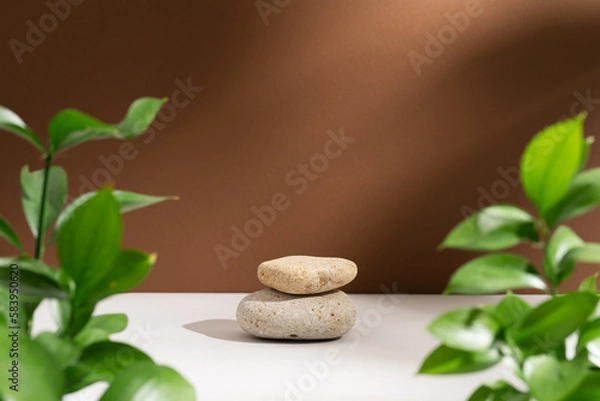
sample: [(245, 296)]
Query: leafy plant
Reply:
[(93, 266), (532, 340)]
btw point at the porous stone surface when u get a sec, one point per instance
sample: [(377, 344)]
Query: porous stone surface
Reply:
[(272, 314), (306, 274)]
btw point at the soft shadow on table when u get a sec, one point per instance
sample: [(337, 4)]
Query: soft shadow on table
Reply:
[(228, 330)]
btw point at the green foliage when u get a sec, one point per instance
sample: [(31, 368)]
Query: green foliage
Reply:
[(71, 127), (36, 365), (128, 201), (550, 379), (493, 228), (589, 338), (499, 391), (149, 382), (9, 234), (494, 273), (532, 338), (465, 329), (93, 266), (11, 122), (129, 269), (446, 360), (89, 242), (32, 185), (32, 285), (589, 284), (563, 240), (101, 361), (99, 328), (547, 326), (510, 312), (550, 162), (582, 196), (588, 390)]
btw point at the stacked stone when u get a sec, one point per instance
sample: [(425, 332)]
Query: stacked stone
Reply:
[(303, 301)]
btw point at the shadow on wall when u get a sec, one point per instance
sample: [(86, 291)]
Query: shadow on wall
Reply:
[(506, 81)]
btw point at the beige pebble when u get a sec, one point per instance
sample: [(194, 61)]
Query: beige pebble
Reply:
[(273, 314), (306, 274)]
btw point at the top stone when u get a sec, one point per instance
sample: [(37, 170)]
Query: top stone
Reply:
[(306, 274)]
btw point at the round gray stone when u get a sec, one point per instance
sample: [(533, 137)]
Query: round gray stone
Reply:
[(272, 314), (306, 274)]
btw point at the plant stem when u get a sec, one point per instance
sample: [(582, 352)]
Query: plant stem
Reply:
[(39, 246), (545, 233)]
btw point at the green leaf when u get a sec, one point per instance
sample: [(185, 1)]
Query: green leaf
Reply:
[(128, 201), (589, 284), (589, 390), (39, 378), (33, 265), (102, 361), (548, 325), (110, 323), (16, 312), (99, 328), (588, 253), (65, 352), (583, 195), (445, 360), (494, 273), (585, 153), (589, 338), (11, 122), (32, 184), (36, 282), (73, 320), (146, 381), (465, 329), (493, 228), (550, 162), (71, 127), (67, 213), (563, 240), (81, 317), (140, 115), (511, 311), (9, 234), (129, 269), (499, 391), (552, 380), (89, 242), (31, 286)]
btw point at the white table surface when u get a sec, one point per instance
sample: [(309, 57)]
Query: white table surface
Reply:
[(376, 361)]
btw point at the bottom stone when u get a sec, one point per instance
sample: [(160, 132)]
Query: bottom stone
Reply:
[(272, 314)]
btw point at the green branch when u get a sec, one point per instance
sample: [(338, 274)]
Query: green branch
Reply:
[(39, 244)]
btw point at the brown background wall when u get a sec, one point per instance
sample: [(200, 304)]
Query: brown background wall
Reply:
[(425, 146)]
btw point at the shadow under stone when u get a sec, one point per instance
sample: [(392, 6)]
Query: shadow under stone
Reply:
[(228, 330)]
